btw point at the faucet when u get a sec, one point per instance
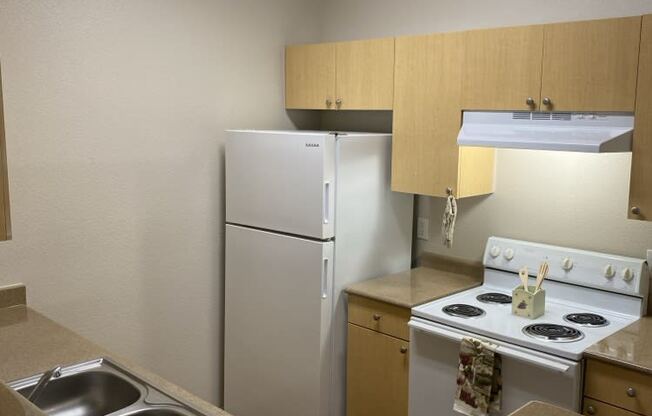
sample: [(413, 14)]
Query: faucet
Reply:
[(43, 382)]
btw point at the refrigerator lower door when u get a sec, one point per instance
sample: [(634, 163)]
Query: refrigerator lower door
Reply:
[(278, 307), (281, 181)]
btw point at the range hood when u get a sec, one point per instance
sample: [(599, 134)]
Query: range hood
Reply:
[(566, 131)]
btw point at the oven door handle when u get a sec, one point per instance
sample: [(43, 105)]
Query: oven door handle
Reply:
[(535, 360)]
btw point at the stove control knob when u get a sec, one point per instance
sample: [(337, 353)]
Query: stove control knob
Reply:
[(494, 252), (567, 264), (609, 271), (508, 254), (627, 274)]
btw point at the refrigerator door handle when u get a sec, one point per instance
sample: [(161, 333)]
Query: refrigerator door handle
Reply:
[(326, 207), (324, 279)]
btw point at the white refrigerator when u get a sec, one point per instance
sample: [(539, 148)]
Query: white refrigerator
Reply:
[(307, 213)]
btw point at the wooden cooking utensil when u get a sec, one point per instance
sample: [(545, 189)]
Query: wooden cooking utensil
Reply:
[(524, 278), (543, 272)]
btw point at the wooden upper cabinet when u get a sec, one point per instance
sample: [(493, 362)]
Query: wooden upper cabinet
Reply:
[(426, 121), (5, 223), (357, 75), (591, 65), (640, 189), (365, 74), (427, 113), (310, 76), (502, 68)]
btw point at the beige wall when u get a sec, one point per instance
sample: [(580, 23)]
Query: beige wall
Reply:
[(115, 112), (360, 19), (114, 116), (569, 199)]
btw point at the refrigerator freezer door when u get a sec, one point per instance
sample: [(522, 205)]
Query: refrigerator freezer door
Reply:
[(281, 181), (278, 307)]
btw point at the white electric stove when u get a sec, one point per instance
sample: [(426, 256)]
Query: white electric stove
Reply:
[(589, 296)]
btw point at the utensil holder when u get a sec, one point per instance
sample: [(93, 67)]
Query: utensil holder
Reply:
[(528, 305)]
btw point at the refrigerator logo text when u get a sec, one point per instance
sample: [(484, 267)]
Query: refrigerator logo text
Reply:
[(312, 144)]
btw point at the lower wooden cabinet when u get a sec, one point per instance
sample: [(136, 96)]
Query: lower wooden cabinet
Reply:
[(377, 373), (379, 316), (597, 408), (616, 389)]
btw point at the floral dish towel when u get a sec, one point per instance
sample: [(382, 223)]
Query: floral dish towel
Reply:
[(479, 384)]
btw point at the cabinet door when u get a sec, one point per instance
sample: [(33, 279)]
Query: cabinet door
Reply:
[(377, 374), (5, 223), (592, 65), (502, 68), (640, 191), (310, 76), (619, 386), (596, 408), (365, 74), (427, 113)]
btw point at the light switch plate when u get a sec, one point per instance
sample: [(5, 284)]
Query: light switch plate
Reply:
[(422, 228)]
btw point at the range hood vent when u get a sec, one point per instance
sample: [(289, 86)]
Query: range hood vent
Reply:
[(566, 131)]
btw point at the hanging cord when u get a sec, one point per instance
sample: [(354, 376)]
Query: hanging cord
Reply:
[(448, 220)]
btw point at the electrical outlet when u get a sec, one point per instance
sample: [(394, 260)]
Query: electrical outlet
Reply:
[(422, 228)]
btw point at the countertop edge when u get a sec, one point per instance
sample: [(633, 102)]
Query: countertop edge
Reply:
[(379, 298), (392, 301)]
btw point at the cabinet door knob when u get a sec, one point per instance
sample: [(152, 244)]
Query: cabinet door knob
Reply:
[(530, 101), (636, 211), (404, 349), (329, 102), (590, 410), (376, 317), (338, 102), (631, 392), (547, 101)]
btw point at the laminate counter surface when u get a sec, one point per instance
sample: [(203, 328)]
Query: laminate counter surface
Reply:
[(630, 347), (416, 286), (31, 343)]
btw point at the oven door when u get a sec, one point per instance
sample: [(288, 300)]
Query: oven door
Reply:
[(526, 374)]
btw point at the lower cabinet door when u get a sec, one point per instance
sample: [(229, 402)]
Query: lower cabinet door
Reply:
[(377, 374), (596, 408)]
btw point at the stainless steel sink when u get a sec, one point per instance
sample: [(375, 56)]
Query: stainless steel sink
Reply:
[(100, 388), (87, 393)]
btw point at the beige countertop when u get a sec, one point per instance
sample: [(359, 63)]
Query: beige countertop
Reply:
[(542, 409), (31, 343), (422, 284), (629, 347)]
